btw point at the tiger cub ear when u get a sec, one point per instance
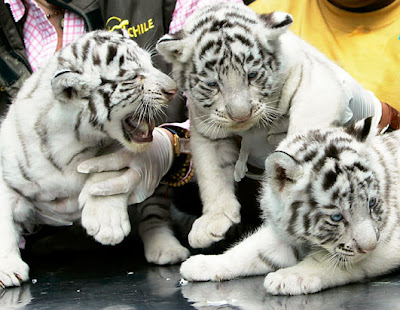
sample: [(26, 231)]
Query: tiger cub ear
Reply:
[(277, 23), (364, 129), (282, 170), (175, 48), (68, 85)]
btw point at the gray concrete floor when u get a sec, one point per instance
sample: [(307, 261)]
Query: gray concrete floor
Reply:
[(77, 274)]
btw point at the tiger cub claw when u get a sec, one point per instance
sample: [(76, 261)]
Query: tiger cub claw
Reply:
[(13, 271)]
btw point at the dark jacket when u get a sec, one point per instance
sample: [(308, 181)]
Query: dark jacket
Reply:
[(145, 20), (14, 65)]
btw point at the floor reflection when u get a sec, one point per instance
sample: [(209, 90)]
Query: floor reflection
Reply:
[(16, 297), (248, 293), (94, 277), (144, 286)]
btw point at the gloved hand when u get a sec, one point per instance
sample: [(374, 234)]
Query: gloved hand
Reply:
[(144, 172), (364, 104)]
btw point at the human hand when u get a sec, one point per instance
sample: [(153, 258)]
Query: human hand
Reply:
[(363, 104), (144, 172)]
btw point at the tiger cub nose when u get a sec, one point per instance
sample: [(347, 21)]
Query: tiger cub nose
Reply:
[(169, 93), (240, 119)]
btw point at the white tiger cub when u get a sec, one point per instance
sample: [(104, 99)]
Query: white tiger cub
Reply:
[(331, 206), (243, 73), (96, 93)]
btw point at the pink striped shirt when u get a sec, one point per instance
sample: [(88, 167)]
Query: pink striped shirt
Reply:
[(40, 36), (183, 8)]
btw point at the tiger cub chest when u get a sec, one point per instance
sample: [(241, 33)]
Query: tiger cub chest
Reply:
[(254, 149)]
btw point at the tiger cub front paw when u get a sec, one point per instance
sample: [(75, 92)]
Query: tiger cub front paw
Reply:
[(210, 228), (204, 268), (13, 271), (290, 282), (106, 218)]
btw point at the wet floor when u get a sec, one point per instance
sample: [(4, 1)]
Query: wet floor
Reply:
[(94, 277)]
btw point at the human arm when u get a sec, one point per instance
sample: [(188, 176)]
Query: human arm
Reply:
[(360, 106)]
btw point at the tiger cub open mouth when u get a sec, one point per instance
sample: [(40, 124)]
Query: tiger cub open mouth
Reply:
[(138, 130)]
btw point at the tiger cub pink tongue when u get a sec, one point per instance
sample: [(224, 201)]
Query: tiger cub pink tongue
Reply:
[(139, 131)]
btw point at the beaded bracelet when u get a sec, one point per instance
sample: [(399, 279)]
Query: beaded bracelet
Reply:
[(182, 170)]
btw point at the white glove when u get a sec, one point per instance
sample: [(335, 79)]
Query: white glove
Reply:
[(144, 172), (364, 105)]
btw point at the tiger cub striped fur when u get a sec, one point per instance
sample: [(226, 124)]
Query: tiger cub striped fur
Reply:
[(332, 211), (243, 75), (98, 93)]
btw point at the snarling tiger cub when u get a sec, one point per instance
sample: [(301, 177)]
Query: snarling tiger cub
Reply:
[(97, 93)]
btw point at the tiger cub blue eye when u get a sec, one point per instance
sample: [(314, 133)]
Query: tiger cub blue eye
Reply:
[(372, 202), (337, 217), (212, 84), (252, 74)]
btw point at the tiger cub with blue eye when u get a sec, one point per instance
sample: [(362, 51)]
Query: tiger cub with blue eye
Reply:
[(97, 94), (331, 205), (245, 74)]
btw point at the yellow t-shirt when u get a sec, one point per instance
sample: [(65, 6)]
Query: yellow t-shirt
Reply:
[(367, 45)]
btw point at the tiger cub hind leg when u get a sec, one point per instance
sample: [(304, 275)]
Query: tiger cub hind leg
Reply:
[(161, 247), (104, 217)]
